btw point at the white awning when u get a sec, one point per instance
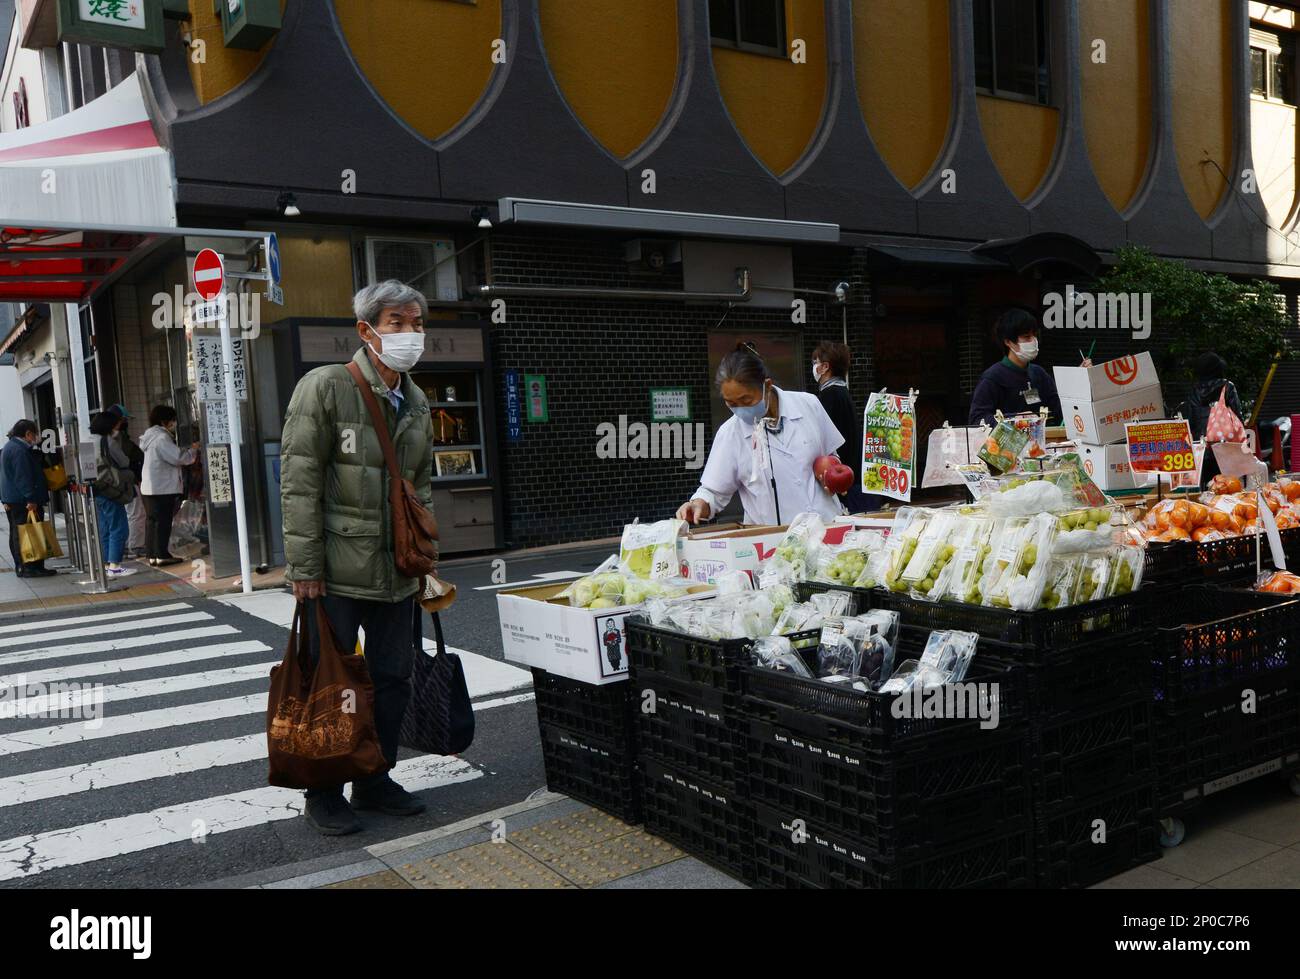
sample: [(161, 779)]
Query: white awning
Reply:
[(98, 165)]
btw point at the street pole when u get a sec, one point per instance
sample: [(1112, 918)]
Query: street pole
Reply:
[(236, 436)]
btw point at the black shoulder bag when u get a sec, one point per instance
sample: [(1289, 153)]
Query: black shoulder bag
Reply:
[(439, 718)]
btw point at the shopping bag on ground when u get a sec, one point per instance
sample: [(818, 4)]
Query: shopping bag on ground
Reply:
[(184, 541), (439, 717), (320, 723), (37, 540)]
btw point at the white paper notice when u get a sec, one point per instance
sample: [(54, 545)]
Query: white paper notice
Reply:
[(1270, 528)]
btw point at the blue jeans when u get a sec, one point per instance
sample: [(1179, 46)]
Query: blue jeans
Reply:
[(113, 529)]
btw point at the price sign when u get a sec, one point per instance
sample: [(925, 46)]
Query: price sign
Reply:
[(1160, 447), (889, 445)]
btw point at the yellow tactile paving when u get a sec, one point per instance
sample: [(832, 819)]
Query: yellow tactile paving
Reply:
[(612, 859), (576, 831), (387, 880), (494, 865)]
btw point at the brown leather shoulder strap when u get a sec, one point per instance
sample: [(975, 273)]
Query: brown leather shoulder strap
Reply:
[(377, 416)]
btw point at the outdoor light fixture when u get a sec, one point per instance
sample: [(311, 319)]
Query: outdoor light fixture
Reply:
[(287, 204), (480, 216)]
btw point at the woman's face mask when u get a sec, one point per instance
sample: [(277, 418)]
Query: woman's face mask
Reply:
[(751, 414), (1028, 348)]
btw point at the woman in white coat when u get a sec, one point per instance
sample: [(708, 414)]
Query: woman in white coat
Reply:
[(161, 484), (765, 451)]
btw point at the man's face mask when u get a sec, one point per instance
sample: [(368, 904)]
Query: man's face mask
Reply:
[(1028, 348), (398, 351)]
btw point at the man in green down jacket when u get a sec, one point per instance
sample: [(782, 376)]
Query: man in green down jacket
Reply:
[(338, 538)]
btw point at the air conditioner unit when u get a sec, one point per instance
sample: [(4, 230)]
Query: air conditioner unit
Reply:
[(425, 263)]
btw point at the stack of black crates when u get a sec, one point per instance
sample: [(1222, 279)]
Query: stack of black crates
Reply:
[(588, 744), (1226, 692), (848, 794), (690, 740), (1088, 734)]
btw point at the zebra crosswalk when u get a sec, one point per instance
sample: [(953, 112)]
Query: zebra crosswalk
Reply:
[(134, 731)]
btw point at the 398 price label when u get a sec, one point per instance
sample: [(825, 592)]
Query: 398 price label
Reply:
[(1178, 462), (895, 479)]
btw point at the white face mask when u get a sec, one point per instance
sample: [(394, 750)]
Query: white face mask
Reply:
[(400, 351), (1029, 349), (816, 376)]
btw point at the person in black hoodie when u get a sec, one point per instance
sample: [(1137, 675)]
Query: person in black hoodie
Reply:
[(23, 491), (1210, 380), (830, 367)]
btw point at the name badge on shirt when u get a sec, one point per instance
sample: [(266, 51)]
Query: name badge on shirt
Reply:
[(1030, 394)]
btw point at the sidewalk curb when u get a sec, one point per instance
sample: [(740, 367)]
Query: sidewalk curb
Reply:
[(473, 822)]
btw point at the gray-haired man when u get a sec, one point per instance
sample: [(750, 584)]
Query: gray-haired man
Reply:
[(338, 538)]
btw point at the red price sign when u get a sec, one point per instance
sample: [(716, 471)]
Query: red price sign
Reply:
[(895, 479), (1162, 446)]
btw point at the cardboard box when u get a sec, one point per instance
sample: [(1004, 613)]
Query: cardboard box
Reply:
[(1108, 466), (1102, 422), (707, 554), (1108, 380), (590, 645)]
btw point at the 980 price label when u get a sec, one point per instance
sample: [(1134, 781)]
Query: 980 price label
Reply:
[(894, 479)]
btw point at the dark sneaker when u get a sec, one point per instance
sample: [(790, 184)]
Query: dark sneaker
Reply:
[(331, 815), (41, 572), (388, 797)]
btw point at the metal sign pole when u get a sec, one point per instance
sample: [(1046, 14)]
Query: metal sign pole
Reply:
[(96, 583), (236, 437)]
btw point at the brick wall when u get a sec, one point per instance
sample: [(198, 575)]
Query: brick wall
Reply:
[(601, 357)]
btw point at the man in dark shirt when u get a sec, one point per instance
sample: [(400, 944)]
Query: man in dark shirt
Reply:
[(1015, 385)]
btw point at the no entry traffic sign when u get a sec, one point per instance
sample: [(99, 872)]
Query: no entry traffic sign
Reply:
[(209, 274)]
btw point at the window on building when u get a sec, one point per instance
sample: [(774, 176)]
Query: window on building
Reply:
[(1011, 49), (1272, 65), (751, 25)]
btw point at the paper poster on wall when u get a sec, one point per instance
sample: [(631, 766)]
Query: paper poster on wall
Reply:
[(889, 445), (208, 367), (218, 427), (220, 488), (670, 404)]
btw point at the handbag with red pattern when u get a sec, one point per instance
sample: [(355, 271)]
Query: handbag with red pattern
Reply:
[(1223, 424)]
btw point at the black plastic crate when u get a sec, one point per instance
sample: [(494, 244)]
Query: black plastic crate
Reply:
[(603, 711), (865, 720), (894, 802), (704, 820), (859, 598), (1232, 558), (597, 772), (1212, 744), (1070, 849), (1210, 638), (1166, 563), (1087, 755), (791, 851), (1106, 672), (694, 728), (711, 662), (1043, 628)]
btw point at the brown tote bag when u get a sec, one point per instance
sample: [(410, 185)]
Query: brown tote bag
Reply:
[(320, 724), (415, 531)]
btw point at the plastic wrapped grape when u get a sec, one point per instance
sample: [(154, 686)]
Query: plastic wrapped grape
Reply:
[(1059, 589), (932, 554), (909, 525), (1127, 566), (959, 580)]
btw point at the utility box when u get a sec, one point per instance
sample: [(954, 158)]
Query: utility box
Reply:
[(248, 24)]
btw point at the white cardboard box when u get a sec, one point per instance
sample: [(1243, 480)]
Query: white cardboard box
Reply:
[(1108, 466), (1108, 380), (1102, 422), (589, 645), (705, 555)]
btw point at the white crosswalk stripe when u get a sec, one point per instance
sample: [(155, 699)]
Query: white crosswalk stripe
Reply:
[(117, 726)]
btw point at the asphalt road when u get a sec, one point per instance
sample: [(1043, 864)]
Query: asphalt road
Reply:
[(164, 784)]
